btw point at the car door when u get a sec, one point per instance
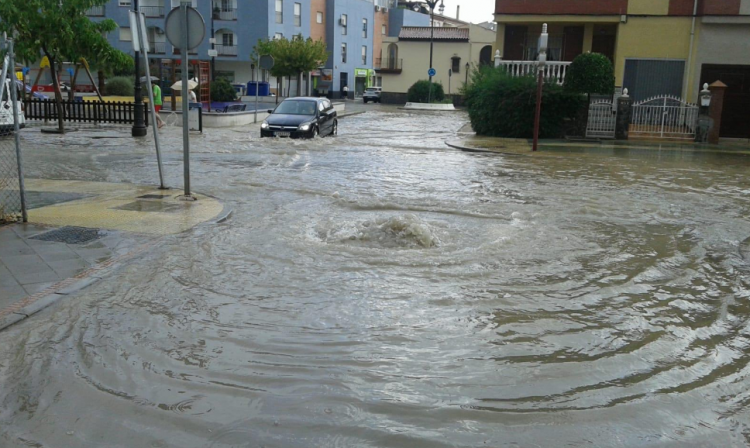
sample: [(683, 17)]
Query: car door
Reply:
[(330, 115), (322, 118)]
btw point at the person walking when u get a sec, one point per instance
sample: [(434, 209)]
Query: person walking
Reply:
[(346, 92), (157, 102)]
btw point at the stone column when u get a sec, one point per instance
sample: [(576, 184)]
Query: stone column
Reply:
[(717, 107), (624, 111)]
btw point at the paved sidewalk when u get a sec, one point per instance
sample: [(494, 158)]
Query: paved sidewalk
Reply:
[(77, 230)]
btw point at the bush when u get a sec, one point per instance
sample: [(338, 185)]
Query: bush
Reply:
[(420, 92), (120, 86), (591, 73), (222, 91), (504, 106)]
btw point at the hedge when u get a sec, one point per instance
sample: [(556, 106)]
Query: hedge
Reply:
[(500, 105), (222, 91), (120, 86), (420, 90)]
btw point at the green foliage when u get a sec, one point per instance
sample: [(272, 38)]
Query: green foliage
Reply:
[(503, 106), (292, 57), (591, 73), (60, 30), (222, 91), (419, 92), (120, 86)]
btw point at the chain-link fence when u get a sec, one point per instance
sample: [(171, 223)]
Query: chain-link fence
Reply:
[(12, 200)]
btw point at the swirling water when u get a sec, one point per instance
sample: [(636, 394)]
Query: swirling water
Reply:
[(383, 290)]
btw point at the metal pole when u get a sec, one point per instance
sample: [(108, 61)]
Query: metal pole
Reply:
[(257, 87), (432, 33), (17, 132), (139, 124), (151, 103), (185, 121), (538, 113)]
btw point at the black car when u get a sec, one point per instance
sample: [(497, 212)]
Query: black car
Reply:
[(301, 118)]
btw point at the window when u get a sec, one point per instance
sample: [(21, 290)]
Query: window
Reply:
[(229, 76), (327, 104), (364, 28), (343, 53), (384, 30), (364, 55), (344, 24), (320, 17), (298, 14), (124, 2), (279, 11), (278, 36), (126, 35), (227, 40), (456, 65)]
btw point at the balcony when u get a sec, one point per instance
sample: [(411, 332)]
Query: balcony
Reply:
[(225, 14), (389, 65), (95, 11), (157, 47), (153, 11), (553, 71), (226, 50)]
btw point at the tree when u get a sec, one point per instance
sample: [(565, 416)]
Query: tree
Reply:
[(292, 57), (419, 92), (60, 30), (591, 73)]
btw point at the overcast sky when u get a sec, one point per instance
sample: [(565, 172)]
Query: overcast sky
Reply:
[(473, 11)]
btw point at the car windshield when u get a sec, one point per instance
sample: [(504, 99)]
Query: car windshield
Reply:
[(371, 90), (296, 108)]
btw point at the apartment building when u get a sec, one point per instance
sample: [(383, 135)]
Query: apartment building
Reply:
[(658, 46)]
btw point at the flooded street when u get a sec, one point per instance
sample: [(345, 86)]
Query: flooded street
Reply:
[(380, 289)]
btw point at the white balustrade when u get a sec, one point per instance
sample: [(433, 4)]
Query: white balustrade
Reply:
[(553, 71)]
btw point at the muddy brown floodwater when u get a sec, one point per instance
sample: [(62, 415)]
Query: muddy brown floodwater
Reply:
[(380, 289)]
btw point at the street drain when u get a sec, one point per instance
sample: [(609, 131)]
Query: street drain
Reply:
[(148, 206), (70, 235), (153, 196)]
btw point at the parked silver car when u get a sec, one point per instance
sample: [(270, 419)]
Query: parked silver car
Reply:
[(372, 94)]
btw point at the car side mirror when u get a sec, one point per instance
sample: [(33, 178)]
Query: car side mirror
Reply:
[(270, 111)]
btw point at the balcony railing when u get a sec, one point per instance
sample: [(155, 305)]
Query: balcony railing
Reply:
[(222, 14), (157, 47), (389, 65), (553, 71), (226, 50), (153, 11), (96, 11)]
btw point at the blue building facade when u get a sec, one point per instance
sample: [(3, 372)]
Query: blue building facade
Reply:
[(237, 25), (350, 35)]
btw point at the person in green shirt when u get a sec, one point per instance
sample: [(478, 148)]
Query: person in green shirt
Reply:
[(158, 102)]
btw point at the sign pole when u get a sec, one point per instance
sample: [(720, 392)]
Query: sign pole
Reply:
[(140, 24), (185, 120), (17, 130), (257, 87)]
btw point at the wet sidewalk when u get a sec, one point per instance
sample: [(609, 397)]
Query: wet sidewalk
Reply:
[(78, 230), (468, 141)]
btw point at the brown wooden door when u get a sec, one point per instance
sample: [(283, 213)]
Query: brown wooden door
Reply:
[(572, 42), (604, 44), (515, 43), (735, 118)]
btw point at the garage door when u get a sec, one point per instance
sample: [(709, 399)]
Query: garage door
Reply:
[(735, 119)]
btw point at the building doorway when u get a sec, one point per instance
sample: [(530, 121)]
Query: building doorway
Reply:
[(515, 43), (485, 56), (343, 82), (735, 117)]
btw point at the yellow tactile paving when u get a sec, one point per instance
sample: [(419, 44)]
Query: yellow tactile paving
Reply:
[(99, 210)]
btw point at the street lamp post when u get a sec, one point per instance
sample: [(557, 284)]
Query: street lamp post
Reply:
[(441, 9), (468, 67), (543, 40), (139, 122)]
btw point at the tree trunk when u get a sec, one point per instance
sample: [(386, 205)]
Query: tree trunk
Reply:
[(58, 95), (102, 78)]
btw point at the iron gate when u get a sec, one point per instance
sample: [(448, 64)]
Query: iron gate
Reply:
[(602, 120), (664, 117)]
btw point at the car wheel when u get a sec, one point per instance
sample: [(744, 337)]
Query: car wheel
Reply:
[(316, 132), (335, 129), (365, 101)]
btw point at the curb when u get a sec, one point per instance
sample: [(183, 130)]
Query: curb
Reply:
[(480, 150), (31, 305), (352, 114)]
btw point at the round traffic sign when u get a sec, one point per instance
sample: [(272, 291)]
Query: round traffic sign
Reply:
[(432, 72), (196, 27)]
